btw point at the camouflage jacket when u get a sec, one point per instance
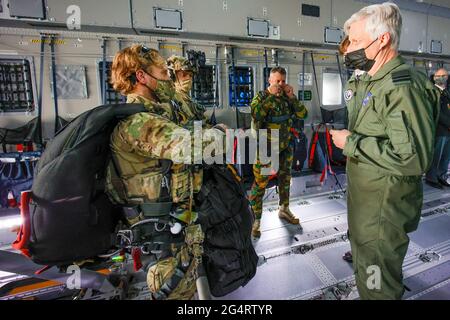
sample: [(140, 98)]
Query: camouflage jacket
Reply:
[(189, 107), (141, 145), (272, 112)]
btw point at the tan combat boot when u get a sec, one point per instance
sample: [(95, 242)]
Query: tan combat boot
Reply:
[(255, 229), (287, 215)]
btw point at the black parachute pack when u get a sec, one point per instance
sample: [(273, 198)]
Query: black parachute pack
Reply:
[(323, 152), (71, 217), (226, 218)]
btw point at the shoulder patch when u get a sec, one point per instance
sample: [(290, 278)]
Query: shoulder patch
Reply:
[(401, 76)]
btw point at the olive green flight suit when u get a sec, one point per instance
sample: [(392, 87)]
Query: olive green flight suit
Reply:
[(392, 119)]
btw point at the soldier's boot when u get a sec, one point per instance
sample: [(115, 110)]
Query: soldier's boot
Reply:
[(286, 214), (256, 232)]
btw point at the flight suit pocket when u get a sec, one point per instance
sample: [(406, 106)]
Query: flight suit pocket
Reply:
[(180, 186), (146, 185), (399, 133)]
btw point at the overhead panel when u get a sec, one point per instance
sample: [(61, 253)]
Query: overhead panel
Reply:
[(257, 28), (439, 30), (332, 35), (414, 32), (34, 9), (109, 13), (343, 10), (168, 19)]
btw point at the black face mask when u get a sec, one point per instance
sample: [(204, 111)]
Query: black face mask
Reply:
[(358, 60)]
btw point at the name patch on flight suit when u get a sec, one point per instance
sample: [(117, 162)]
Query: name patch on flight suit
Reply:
[(348, 95)]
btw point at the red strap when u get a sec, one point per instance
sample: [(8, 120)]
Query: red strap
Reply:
[(23, 236), (324, 171), (322, 177), (313, 147), (295, 133), (42, 270), (273, 175), (330, 150), (136, 254), (234, 154)]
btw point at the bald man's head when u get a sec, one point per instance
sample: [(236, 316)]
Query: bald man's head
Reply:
[(441, 72), (441, 77)]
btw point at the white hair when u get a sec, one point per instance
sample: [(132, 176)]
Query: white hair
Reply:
[(381, 18)]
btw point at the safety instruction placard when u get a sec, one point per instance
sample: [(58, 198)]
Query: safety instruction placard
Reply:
[(308, 79)]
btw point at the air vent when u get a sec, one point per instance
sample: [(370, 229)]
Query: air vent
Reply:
[(48, 25), (310, 10), (158, 33), (240, 39)]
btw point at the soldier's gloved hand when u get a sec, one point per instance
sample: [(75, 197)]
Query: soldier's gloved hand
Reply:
[(275, 89), (289, 91)]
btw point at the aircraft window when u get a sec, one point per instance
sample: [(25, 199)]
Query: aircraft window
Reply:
[(16, 88), (244, 86), (331, 89), (112, 96), (204, 86)]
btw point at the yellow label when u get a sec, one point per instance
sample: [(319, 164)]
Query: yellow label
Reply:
[(47, 41), (323, 57), (171, 47), (251, 52)]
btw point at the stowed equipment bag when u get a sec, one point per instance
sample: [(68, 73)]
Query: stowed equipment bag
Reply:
[(226, 218), (71, 217), (323, 154)]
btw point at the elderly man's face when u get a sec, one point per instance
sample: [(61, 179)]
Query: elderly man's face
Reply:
[(277, 78), (441, 77), (441, 73), (360, 39)]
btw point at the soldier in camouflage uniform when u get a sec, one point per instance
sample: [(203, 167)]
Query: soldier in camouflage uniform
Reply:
[(182, 73), (146, 173), (275, 108)]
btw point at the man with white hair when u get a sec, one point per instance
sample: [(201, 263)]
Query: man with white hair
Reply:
[(393, 113)]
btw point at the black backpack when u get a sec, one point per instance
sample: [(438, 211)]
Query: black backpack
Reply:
[(226, 218), (71, 218)]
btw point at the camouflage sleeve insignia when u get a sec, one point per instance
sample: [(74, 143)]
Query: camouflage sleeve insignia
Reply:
[(401, 77)]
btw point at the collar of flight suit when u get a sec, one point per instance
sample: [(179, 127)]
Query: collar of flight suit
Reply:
[(385, 69), (368, 80)]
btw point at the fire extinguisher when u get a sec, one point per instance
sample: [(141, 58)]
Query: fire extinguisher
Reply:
[(12, 203)]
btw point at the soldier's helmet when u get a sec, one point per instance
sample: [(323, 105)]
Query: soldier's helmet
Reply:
[(177, 63)]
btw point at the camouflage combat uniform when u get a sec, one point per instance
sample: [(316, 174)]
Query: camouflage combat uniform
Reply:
[(182, 95), (272, 112), (142, 145)]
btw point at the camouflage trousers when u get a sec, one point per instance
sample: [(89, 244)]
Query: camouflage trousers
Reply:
[(182, 265), (261, 181)]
